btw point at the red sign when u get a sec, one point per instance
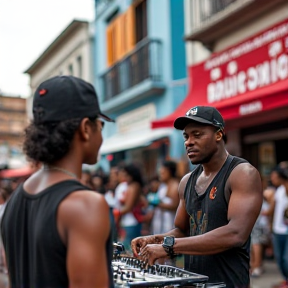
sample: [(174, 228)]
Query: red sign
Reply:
[(243, 71)]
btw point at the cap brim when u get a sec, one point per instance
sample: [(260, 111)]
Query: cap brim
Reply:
[(105, 117), (181, 122)]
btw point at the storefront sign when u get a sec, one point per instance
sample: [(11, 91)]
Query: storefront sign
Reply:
[(257, 63), (137, 119)]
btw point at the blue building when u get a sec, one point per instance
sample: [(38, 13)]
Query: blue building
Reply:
[(140, 76)]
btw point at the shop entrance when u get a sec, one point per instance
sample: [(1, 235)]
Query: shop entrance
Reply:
[(264, 146)]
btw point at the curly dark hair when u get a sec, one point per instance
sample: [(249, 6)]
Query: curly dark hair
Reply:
[(49, 142)]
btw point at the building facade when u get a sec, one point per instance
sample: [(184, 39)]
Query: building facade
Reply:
[(237, 57), (69, 54), (13, 120), (140, 76)]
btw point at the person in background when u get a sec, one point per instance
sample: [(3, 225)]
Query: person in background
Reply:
[(279, 202), (98, 182), (260, 236), (220, 201), (168, 199), (128, 202), (152, 200), (113, 179), (55, 231), (86, 178)]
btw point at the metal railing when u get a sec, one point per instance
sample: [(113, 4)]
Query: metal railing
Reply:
[(203, 10), (144, 62)]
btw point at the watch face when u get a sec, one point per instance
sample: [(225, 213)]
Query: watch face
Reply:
[(169, 241)]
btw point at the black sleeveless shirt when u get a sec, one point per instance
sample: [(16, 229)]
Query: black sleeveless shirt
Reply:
[(208, 212), (35, 252)]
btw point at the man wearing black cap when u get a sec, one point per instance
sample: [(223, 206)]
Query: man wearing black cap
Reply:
[(56, 231), (219, 204)]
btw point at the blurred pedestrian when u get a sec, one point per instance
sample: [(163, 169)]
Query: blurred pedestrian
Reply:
[(260, 236), (86, 178), (113, 179), (280, 221), (220, 201), (128, 202), (98, 182), (55, 230), (152, 200), (167, 199)]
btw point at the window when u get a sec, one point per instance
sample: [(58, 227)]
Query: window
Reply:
[(141, 21), (70, 69), (79, 64), (120, 36)]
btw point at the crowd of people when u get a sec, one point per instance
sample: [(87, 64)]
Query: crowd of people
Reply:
[(139, 206)]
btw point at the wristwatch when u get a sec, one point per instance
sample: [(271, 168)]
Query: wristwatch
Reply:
[(168, 244)]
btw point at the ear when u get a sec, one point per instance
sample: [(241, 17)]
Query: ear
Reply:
[(219, 136), (84, 129)]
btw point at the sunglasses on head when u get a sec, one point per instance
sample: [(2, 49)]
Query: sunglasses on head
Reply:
[(94, 120)]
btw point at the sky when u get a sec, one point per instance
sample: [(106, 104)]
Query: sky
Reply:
[(27, 28)]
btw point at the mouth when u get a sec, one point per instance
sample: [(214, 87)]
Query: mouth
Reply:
[(191, 153)]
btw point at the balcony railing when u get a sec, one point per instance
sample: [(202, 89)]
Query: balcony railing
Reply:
[(203, 10), (143, 63), (209, 8)]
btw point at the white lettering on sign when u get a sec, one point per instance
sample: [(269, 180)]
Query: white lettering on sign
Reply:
[(253, 78), (248, 46), (250, 108)]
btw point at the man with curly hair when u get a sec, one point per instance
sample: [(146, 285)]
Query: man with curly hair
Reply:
[(56, 232)]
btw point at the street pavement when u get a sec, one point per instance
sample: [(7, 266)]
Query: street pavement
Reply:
[(270, 277)]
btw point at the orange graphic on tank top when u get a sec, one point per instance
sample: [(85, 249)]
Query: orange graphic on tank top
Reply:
[(213, 192)]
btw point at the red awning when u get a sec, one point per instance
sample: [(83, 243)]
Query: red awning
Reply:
[(264, 99), (16, 173)]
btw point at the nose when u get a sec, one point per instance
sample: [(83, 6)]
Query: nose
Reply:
[(189, 142)]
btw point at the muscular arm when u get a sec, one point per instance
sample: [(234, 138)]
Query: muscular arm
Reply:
[(83, 225), (243, 210), (181, 225)]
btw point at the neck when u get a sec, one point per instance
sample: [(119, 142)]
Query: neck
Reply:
[(47, 167), (215, 164)]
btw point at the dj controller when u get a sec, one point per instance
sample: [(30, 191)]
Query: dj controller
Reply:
[(132, 272)]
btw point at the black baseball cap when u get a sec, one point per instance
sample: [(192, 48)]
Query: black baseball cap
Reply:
[(65, 97), (203, 114)]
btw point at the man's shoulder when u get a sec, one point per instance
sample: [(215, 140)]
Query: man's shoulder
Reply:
[(184, 180), (241, 164), (242, 169), (83, 202)]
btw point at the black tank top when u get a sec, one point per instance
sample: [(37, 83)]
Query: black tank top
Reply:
[(208, 212), (36, 253)]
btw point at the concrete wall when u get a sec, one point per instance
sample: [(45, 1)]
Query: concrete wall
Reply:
[(77, 44)]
